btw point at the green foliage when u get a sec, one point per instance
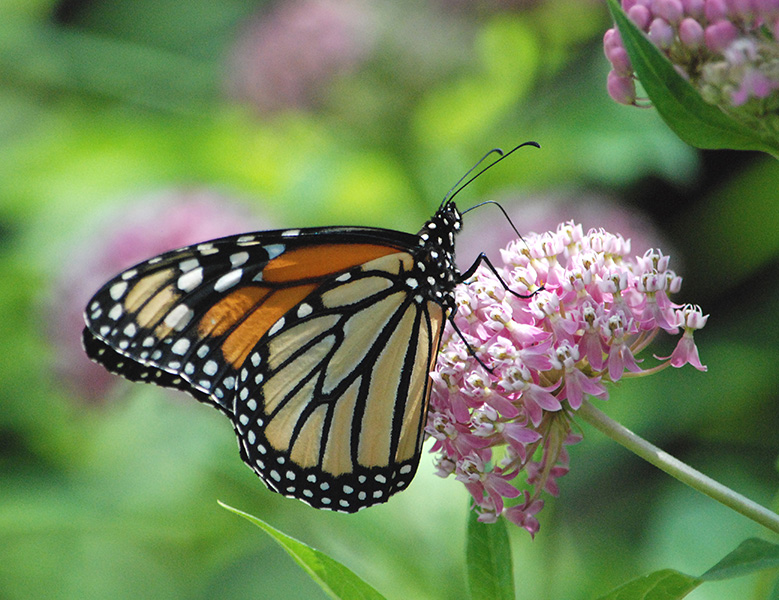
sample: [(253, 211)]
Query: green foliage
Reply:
[(333, 577), (488, 558), (489, 562), (752, 555)]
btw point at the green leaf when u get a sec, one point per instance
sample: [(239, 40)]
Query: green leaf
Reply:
[(694, 120), (752, 555), (660, 585), (488, 554), (334, 578)]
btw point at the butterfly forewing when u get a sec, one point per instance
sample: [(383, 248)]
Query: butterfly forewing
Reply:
[(155, 321), (317, 343)]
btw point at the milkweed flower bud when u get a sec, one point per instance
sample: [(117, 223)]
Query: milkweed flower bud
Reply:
[(507, 384), (727, 49)]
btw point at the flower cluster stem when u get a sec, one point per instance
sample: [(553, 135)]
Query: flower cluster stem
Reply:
[(677, 469)]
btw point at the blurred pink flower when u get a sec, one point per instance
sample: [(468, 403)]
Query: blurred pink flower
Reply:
[(149, 226), (287, 57)]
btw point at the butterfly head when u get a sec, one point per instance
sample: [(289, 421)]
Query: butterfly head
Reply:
[(435, 255), (440, 230)]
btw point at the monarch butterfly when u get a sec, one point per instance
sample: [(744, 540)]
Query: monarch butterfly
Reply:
[(316, 344)]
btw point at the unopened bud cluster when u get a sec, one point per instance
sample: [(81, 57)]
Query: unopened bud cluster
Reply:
[(726, 48)]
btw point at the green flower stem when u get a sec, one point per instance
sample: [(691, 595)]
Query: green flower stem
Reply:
[(678, 469)]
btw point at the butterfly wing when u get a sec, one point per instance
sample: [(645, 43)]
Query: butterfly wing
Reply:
[(311, 341), (331, 404)]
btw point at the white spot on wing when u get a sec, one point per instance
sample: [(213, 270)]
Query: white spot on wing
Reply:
[(210, 368), (180, 347), (179, 317), (189, 265), (115, 312), (191, 279), (274, 250), (276, 326), (239, 258), (225, 282), (118, 289)]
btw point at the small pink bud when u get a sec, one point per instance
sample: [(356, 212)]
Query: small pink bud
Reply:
[(694, 8), (620, 62), (754, 84), (715, 10), (641, 16), (720, 35), (691, 33), (611, 39), (762, 86), (670, 10), (621, 89), (628, 4), (740, 8), (661, 33)]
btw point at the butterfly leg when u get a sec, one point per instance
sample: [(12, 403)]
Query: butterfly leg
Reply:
[(483, 258), (468, 346)]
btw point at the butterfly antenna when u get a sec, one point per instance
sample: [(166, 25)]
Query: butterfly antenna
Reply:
[(454, 191), (460, 186)]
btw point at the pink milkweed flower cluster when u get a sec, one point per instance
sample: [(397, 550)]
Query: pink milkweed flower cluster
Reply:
[(288, 57), (507, 384), (727, 49)]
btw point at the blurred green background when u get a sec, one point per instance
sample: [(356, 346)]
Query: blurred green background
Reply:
[(128, 127)]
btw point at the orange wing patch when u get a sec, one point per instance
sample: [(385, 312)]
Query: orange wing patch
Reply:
[(311, 263), (231, 309), (252, 311)]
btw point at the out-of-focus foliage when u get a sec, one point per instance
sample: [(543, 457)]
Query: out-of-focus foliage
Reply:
[(106, 105)]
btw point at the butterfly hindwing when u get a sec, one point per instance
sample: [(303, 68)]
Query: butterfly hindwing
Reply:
[(330, 405), (119, 364)]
